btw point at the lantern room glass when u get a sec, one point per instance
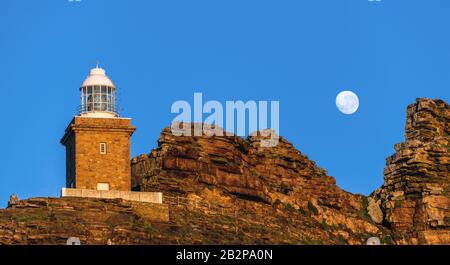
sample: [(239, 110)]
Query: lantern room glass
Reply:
[(98, 98)]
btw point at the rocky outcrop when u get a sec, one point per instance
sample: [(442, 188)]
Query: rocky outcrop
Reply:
[(229, 190), (217, 190), (415, 198), (240, 167), (232, 172), (191, 221), (93, 221)]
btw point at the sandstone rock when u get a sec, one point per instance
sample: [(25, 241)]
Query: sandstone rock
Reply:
[(433, 237), (94, 221), (374, 210), (13, 200), (236, 172), (229, 190), (414, 197)]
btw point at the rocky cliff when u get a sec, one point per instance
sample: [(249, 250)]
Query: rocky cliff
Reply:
[(241, 175), (93, 221), (229, 190), (414, 199)]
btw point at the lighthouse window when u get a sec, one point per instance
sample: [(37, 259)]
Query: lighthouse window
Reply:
[(97, 98), (89, 103), (111, 107), (96, 101), (103, 148)]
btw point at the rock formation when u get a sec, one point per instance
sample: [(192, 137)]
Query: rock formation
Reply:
[(415, 199), (229, 190), (235, 173), (93, 221)]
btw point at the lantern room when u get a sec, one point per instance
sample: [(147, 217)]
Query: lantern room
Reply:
[(98, 95)]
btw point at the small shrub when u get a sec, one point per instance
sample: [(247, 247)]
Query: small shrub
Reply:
[(253, 172), (148, 228), (312, 208), (342, 240), (30, 218), (289, 208), (365, 202), (303, 212), (284, 188), (324, 225), (364, 212)]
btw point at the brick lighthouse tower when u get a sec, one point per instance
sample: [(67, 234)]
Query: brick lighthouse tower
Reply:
[(97, 140)]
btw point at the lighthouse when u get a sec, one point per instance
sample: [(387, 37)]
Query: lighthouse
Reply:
[(97, 140)]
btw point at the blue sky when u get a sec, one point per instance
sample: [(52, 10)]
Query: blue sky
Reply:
[(300, 52)]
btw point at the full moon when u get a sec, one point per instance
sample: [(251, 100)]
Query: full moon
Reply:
[(347, 102)]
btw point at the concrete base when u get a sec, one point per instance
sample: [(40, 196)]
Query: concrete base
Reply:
[(153, 197)]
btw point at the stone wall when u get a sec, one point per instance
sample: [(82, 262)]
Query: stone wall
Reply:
[(83, 138), (152, 197)]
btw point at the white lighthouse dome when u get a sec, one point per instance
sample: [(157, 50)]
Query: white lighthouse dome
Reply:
[(98, 98), (97, 77)]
